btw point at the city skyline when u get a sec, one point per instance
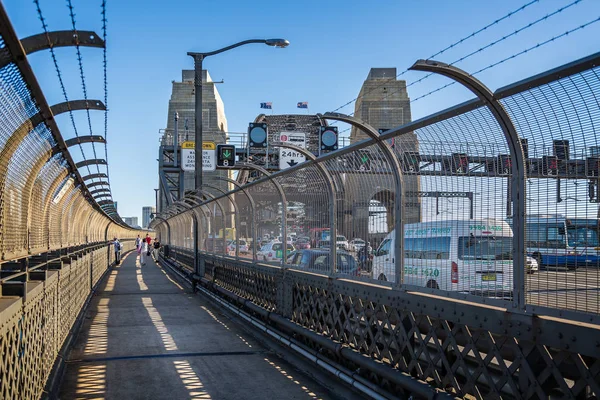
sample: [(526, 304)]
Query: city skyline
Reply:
[(399, 34)]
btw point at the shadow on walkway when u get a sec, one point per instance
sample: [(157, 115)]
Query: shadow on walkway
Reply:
[(144, 337)]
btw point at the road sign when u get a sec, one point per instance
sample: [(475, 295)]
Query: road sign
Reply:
[(364, 161), (188, 156), (288, 157)]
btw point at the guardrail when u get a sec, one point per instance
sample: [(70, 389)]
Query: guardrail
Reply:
[(54, 235), (38, 311), (468, 292)]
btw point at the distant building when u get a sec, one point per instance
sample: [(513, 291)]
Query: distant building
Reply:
[(131, 221), (146, 211), (116, 209)]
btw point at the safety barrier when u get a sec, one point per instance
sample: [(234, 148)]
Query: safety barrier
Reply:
[(38, 315), (54, 235), (495, 294)]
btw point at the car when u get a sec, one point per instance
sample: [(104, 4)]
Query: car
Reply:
[(317, 260), (242, 247), (531, 265), (302, 244), (273, 251), (341, 242), (356, 244)]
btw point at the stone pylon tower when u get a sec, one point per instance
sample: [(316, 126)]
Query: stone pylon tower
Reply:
[(214, 122), (383, 103)]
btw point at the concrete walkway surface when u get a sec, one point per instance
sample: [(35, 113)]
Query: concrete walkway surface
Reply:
[(145, 337)]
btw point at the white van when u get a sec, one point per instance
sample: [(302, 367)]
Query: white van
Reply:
[(459, 255)]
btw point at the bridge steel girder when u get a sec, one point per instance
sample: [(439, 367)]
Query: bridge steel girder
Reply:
[(386, 149), (518, 178), (43, 41), (93, 184), (92, 161), (93, 192), (94, 176)]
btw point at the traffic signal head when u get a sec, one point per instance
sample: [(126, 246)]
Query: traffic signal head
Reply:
[(504, 166), (258, 133), (460, 163), (225, 155), (549, 165), (410, 161), (328, 138)]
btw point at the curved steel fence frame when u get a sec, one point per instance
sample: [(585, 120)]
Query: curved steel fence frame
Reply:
[(467, 344)]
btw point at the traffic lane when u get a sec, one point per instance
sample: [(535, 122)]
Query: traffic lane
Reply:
[(577, 290)]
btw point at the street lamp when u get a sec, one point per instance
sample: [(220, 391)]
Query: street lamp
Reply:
[(198, 58)]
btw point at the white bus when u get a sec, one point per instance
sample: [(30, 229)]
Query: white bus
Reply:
[(472, 256)]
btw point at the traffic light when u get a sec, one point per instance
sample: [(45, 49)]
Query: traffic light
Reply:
[(460, 163), (328, 138), (504, 165), (225, 155), (561, 149), (549, 165), (258, 135), (410, 161)]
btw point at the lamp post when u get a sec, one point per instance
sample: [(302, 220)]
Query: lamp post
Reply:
[(198, 58)]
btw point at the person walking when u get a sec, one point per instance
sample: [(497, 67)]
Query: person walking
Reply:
[(144, 250), (138, 241), (117, 248), (140, 251), (156, 246), (148, 240)]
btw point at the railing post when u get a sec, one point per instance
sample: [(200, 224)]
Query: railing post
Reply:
[(517, 179)]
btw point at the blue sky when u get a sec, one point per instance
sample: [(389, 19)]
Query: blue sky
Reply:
[(333, 46)]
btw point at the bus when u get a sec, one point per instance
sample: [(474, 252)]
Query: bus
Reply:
[(555, 240), (469, 256)]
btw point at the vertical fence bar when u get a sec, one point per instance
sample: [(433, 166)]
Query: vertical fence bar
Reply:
[(518, 177)]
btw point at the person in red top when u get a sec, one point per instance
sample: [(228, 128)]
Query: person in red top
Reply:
[(148, 240)]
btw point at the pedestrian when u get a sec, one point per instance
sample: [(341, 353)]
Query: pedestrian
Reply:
[(138, 241), (156, 247), (139, 248), (143, 251), (117, 248), (148, 239)]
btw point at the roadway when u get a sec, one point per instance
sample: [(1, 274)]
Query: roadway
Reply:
[(571, 290), (146, 337)]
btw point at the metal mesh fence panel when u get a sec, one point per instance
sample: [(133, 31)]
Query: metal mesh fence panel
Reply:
[(560, 122)]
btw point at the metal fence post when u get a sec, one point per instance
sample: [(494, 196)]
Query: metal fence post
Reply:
[(398, 183), (518, 177)]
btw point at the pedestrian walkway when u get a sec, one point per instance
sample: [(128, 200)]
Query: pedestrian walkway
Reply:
[(145, 337)]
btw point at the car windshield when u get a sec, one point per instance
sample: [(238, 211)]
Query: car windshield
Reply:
[(485, 248), (242, 243), (341, 238)]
